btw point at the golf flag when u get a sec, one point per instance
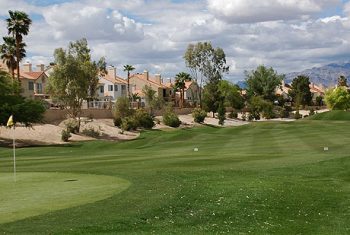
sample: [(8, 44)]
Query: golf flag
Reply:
[(10, 121)]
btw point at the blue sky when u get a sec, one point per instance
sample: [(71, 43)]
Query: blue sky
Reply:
[(153, 34)]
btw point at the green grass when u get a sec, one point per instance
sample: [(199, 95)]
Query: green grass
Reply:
[(262, 178), (335, 115), (39, 193)]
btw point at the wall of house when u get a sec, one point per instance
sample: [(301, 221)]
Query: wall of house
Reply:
[(25, 88), (114, 94)]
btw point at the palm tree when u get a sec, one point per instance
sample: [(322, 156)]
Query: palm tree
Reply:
[(180, 84), (128, 68), (18, 25), (8, 54)]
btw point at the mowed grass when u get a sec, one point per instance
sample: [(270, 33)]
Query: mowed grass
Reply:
[(39, 193), (263, 178)]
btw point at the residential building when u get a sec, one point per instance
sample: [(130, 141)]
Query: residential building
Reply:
[(111, 86), (139, 80), (33, 83)]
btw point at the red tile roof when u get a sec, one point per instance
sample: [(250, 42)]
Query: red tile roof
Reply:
[(151, 80)]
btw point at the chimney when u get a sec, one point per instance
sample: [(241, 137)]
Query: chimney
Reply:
[(40, 67), (27, 67), (111, 72), (158, 78), (146, 74)]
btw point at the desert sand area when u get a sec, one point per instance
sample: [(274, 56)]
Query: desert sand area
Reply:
[(48, 134)]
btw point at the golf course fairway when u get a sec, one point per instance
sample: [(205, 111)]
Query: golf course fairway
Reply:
[(36, 193)]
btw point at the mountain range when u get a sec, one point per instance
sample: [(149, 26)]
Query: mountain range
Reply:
[(326, 75)]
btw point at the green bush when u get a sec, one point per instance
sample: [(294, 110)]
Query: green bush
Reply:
[(199, 115), (91, 132), (233, 114), (170, 118), (221, 114), (311, 112), (72, 126), (65, 135), (297, 115), (129, 124), (143, 119), (117, 120)]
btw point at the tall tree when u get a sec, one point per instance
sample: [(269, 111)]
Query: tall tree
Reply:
[(204, 62), (212, 96), (300, 92), (18, 26), (231, 94), (180, 85), (342, 81), (8, 53), (73, 76), (263, 82), (128, 68)]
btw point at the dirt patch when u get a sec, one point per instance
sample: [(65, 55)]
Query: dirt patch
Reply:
[(48, 134)]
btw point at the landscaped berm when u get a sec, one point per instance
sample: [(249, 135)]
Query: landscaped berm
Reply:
[(261, 178)]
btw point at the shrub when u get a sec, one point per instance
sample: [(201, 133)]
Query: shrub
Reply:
[(221, 114), (297, 115), (199, 115), (129, 123), (72, 126), (233, 114), (91, 132), (65, 135), (122, 108), (143, 119), (170, 118), (117, 120), (244, 116), (311, 112)]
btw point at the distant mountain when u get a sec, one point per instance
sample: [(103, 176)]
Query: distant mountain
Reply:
[(242, 84), (326, 75)]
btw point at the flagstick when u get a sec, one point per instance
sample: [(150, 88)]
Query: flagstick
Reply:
[(14, 154)]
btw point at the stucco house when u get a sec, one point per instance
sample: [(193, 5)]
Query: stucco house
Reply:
[(139, 80), (111, 87)]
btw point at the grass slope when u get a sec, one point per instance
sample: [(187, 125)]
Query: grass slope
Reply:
[(335, 115), (263, 178), (39, 193)]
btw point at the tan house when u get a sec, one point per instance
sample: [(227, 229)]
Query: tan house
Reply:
[(139, 80), (111, 86), (33, 83)]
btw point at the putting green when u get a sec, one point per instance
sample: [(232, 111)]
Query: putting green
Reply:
[(37, 193)]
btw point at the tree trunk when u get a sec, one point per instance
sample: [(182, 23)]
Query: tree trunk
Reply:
[(129, 85), (17, 57)]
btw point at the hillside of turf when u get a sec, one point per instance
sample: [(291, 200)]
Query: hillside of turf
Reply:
[(261, 178), (335, 115)]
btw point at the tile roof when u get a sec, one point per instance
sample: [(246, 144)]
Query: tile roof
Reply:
[(150, 80), (115, 80)]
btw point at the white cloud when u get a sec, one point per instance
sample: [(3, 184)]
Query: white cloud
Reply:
[(250, 11), (75, 20)]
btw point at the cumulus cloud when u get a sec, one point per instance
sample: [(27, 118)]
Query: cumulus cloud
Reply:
[(75, 20), (288, 35), (250, 11)]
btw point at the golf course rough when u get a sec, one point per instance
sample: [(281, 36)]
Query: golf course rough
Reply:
[(36, 193)]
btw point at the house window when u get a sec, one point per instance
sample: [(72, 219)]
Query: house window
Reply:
[(102, 89), (110, 87), (123, 87), (31, 86), (39, 88), (116, 87)]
